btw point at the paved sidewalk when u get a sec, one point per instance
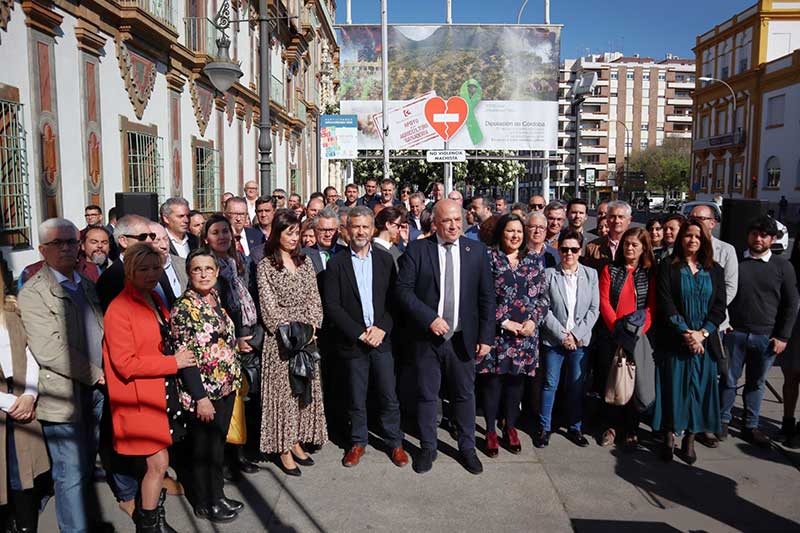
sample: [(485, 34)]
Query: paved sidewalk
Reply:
[(734, 488)]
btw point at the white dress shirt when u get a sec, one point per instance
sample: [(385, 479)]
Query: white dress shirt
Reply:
[(456, 278), (181, 246), (31, 373), (765, 258), (245, 244)]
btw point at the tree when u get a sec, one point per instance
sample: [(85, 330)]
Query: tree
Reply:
[(477, 173), (665, 167)]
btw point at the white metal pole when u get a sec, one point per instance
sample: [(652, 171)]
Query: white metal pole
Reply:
[(349, 18), (449, 11), (547, 11), (448, 167), (385, 83)]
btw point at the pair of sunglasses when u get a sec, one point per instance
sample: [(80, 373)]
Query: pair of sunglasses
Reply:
[(536, 206), (565, 249), (142, 237)]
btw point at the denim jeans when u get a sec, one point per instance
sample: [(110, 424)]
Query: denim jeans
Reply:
[(124, 486), (576, 363), (69, 445), (753, 351)]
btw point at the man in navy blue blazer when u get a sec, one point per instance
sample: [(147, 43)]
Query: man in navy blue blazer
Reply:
[(445, 287)]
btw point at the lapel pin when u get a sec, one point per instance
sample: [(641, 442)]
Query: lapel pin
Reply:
[(466, 248)]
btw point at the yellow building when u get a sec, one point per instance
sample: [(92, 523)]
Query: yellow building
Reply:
[(755, 56)]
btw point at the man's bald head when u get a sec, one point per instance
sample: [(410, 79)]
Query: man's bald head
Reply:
[(447, 218), (706, 215)]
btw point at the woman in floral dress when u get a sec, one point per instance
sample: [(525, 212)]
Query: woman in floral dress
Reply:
[(288, 292), (521, 304), (200, 324)]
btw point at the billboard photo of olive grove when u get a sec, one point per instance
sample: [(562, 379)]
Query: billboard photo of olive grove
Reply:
[(508, 75)]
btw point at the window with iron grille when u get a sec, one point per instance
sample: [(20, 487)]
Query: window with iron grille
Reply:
[(143, 158), (15, 212), (205, 165)]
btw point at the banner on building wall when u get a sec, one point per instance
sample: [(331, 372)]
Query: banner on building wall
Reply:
[(338, 136), (477, 87)]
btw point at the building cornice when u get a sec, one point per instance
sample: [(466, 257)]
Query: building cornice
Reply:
[(39, 15)]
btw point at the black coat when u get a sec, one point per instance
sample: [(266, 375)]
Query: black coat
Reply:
[(192, 240), (342, 303), (112, 281), (670, 303)]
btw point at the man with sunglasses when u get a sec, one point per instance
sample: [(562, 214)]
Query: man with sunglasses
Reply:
[(536, 203), (279, 195), (129, 230)]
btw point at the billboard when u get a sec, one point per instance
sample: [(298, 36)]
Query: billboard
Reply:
[(478, 87), (337, 135)]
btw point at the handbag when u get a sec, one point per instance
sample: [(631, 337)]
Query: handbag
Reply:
[(237, 431), (251, 361), (621, 378), (300, 350), (717, 351)]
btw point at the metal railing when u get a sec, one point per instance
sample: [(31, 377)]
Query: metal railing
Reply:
[(200, 35), (162, 10), (145, 163), (206, 179), (15, 209), (277, 91)]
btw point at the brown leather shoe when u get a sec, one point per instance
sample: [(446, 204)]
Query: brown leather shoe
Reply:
[(353, 456), (399, 457)]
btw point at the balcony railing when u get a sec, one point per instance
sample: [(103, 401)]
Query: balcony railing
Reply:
[(301, 111), (161, 10), (720, 141), (200, 35), (277, 92)]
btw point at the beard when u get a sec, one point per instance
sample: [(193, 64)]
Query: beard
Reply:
[(99, 259)]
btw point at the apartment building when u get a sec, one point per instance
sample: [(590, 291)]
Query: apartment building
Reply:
[(99, 97), (633, 102), (747, 108)]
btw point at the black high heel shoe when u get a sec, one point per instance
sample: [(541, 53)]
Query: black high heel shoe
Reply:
[(308, 461), (687, 449), (294, 472), (668, 450)]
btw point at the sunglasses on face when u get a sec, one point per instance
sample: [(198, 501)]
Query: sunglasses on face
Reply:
[(536, 206), (565, 249), (142, 237), (278, 197)]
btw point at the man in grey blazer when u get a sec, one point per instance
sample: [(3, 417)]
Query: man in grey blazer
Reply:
[(566, 331)]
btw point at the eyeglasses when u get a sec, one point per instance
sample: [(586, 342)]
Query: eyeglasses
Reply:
[(60, 243), (142, 236), (231, 214), (278, 197), (405, 191), (536, 206), (327, 230), (565, 249), (536, 228)]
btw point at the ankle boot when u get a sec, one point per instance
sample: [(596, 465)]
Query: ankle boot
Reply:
[(788, 429), (163, 527), (26, 513), (687, 449), (146, 520)]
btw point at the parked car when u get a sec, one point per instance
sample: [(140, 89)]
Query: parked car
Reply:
[(780, 245)]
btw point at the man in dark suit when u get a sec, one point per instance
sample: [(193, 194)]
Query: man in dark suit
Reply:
[(371, 196), (356, 299), (129, 229), (246, 238), (326, 226), (445, 287)]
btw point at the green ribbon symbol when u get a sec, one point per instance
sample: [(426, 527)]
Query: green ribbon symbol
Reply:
[(471, 92)]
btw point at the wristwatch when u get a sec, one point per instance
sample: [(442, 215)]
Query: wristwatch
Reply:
[(704, 333)]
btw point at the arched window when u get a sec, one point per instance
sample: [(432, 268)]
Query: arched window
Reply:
[(773, 171)]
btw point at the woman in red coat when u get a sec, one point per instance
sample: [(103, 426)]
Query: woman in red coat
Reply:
[(136, 367)]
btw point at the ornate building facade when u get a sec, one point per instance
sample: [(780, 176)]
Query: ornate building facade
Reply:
[(105, 96)]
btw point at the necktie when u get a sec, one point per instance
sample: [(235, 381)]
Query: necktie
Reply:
[(449, 291), (239, 246)]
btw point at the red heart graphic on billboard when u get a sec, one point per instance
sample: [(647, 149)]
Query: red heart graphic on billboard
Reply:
[(446, 118)]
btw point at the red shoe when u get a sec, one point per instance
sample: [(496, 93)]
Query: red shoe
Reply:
[(492, 445), (514, 445)]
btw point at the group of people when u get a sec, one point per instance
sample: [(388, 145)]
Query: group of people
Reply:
[(265, 332)]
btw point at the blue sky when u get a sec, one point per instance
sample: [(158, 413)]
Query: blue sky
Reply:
[(647, 27)]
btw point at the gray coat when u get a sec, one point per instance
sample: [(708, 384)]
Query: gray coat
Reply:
[(587, 306), (725, 255)]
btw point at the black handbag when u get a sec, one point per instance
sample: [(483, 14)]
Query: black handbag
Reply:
[(251, 361), (717, 351)]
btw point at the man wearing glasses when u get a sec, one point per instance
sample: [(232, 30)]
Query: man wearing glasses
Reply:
[(326, 225), (405, 194), (64, 327), (129, 230), (246, 238), (536, 230), (280, 198), (536, 204), (93, 215)]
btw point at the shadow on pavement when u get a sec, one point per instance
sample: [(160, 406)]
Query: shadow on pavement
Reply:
[(580, 525)]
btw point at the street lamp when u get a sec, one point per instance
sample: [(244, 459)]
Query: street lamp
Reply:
[(733, 94), (223, 73), (627, 143)]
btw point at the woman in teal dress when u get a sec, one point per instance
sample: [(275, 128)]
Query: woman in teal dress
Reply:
[(691, 306)]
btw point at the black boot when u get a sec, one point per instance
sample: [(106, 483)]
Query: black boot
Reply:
[(788, 429), (163, 527), (26, 512), (146, 520)]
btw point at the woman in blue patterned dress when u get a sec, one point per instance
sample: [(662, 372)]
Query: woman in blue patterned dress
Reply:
[(521, 304), (691, 306)]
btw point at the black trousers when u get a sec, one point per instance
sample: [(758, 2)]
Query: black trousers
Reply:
[(205, 444), (451, 359), (380, 367), (497, 390)]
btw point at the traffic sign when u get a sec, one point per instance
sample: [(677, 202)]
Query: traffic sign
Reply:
[(446, 156)]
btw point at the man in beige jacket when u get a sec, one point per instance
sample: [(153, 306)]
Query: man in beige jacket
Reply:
[(64, 327)]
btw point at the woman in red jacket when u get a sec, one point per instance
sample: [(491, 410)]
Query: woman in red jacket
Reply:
[(626, 286), (145, 416)]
